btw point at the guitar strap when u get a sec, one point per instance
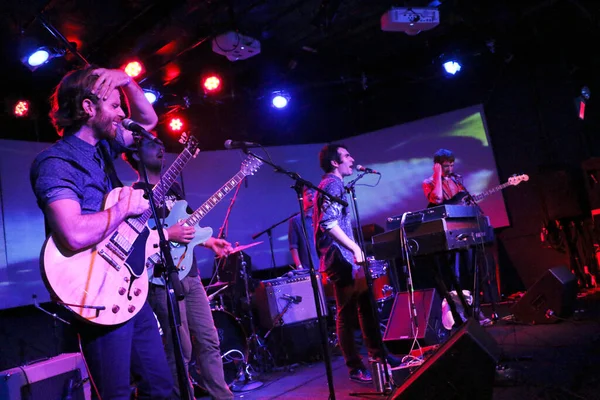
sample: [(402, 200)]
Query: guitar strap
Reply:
[(109, 167)]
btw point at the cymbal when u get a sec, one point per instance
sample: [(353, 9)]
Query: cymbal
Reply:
[(217, 285), (244, 247)]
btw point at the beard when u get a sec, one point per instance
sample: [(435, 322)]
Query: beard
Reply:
[(104, 128)]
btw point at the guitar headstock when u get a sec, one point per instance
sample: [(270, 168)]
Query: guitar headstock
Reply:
[(190, 142), (516, 179), (250, 165)]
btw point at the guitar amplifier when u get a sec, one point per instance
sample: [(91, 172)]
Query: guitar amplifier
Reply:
[(272, 296), (62, 377)]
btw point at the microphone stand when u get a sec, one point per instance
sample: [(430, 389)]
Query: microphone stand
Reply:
[(269, 231), (386, 389), (222, 234), (173, 286), (298, 187)]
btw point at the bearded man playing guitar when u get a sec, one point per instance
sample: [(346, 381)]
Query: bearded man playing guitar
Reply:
[(70, 180)]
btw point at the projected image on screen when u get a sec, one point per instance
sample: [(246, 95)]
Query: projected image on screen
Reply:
[(403, 154)]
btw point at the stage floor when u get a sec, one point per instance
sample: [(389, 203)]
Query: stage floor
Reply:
[(556, 361)]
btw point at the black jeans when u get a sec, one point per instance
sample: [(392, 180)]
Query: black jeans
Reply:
[(354, 310), (115, 355)]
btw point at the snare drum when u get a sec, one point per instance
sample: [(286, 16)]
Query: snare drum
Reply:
[(382, 290)]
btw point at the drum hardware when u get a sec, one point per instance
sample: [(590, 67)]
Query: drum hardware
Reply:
[(245, 380)]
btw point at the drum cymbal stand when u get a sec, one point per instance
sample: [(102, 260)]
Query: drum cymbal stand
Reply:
[(245, 380)]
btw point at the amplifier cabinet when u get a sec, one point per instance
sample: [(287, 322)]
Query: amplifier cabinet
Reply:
[(272, 296), (62, 377)]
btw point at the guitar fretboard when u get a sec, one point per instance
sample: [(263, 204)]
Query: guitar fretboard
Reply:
[(161, 188), (214, 199), (495, 189)]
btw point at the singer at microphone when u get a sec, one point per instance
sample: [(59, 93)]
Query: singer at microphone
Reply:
[(137, 128), (235, 144), (367, 170)]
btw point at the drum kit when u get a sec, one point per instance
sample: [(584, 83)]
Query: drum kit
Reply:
[(241, 352)]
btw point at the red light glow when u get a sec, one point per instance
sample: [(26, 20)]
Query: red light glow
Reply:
[(134, 69), (176, 124), (211, 83), (21, 108)]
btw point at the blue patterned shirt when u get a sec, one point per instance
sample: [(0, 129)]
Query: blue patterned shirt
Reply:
[(328, 214), (73, 169)]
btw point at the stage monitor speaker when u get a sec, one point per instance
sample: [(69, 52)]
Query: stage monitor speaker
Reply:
[(399, 335), (463, 367), (549, 299), (62, 377), (273, 295)]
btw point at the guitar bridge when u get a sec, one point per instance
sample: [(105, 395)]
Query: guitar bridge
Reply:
[(109, 259)]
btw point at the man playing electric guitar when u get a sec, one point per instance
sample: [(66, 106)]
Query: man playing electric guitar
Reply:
[(70, 180), (446, 187), (197, 325)]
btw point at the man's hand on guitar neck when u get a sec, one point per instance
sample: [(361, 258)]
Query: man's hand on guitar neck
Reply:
[(181, 233)]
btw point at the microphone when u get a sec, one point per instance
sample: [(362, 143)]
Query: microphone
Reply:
[(137, 128), (293, 299), (236, 144), (367, 170), (456, 175)]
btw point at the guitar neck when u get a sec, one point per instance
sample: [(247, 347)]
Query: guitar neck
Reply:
[(161, 188), (495, 189), (214, 199)]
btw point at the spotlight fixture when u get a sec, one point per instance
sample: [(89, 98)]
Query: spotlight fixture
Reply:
[(175, 124), (280, 99), (451, 63), (41, 56), (21, 108), (582, 101), (211, 83), (151, 95), (134, 68), (452, 67)]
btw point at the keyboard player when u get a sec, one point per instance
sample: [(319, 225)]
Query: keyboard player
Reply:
[(445, 187)]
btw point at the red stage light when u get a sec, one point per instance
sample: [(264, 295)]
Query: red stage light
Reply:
[(176, 124), (21, 108), (134, 69), (211, 83)]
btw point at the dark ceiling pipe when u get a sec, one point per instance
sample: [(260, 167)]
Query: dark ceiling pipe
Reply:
[(59, 36)]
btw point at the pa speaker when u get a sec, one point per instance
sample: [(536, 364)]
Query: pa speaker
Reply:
[(464, 367), (550, 298), (399, 334)]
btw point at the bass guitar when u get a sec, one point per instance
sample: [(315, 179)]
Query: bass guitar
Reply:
[(463, 198), (183, 253), (107, 284)]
